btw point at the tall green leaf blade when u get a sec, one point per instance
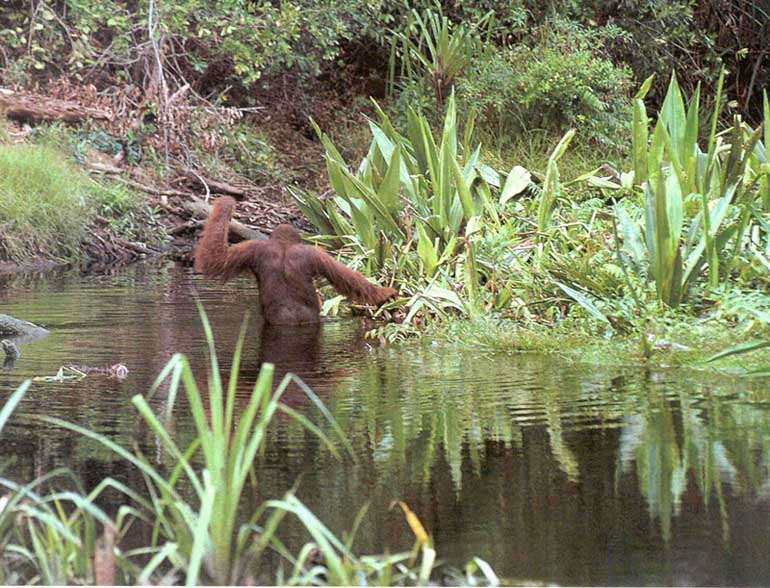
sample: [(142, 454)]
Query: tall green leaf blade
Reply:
[(341, 226), (690, 141), (447, 161), (715, 115), (673, 114), (739, 349), (331, 150), (12, 402), (644, 88), (414, 131), (463, 191), (765, 179), (674, 208), (562, 145), (375, 205), (651, 230), (548, 197), (640, 138), (391, 185)]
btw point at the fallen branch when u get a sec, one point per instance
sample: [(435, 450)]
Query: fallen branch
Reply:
[(136, 247), (215, 185), (199, 208), (104, 168), (152, 190), (186, 226)]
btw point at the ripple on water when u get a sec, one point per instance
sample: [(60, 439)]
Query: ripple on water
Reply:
[(547, 468)]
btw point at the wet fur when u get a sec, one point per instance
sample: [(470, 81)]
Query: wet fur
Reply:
[(283, 266)]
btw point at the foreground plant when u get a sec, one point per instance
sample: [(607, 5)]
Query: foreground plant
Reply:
[(201, 535), (193, 502)]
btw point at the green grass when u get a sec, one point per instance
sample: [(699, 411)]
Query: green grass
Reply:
[(47, 203), (674, 339), (531, 149), (43, 204)]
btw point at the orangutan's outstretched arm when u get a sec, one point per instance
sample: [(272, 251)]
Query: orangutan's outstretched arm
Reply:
[(214, 257), (346, 281)]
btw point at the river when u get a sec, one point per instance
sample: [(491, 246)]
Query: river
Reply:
[(550, 469)]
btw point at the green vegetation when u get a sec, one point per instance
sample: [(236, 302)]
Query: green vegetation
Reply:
[(47, 206), (42, 203), (726, 180), (509, 185), (193, 502), (508, 172), (465, 238)]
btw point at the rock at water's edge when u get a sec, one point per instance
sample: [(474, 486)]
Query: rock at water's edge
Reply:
[(13, 327)]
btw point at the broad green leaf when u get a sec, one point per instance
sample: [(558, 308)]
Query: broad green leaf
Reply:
[(426, 250), (489, 175), (583, 301), (515, 183), (463, 191), (390, 188), (632, 239)]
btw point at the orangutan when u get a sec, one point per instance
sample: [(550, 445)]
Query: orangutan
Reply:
[(283, 266)]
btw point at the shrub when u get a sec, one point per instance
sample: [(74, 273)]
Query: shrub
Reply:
[(216, 44), (561, 81)]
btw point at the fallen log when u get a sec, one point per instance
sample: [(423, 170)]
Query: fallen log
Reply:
[(199, 208), (34, 108)]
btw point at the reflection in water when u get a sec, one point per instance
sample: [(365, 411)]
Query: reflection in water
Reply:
[(550, 470)]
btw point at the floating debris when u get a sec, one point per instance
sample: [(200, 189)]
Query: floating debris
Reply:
[(78, 372)]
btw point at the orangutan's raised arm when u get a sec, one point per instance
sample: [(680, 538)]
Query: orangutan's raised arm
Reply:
[(214, 257), (346, 281)]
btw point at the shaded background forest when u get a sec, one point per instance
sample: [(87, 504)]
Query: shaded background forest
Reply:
[(533, 66)]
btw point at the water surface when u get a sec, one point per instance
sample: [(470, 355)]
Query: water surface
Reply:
[(550, 469)]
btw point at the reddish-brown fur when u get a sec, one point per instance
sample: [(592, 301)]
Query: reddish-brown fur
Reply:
[(284, 268)]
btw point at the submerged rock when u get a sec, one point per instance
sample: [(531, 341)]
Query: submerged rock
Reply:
[(13, 327), (10, 350), (11, 353)]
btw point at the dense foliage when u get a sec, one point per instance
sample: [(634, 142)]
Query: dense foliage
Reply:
[(215, 44), (691, 218), (485, 185)]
